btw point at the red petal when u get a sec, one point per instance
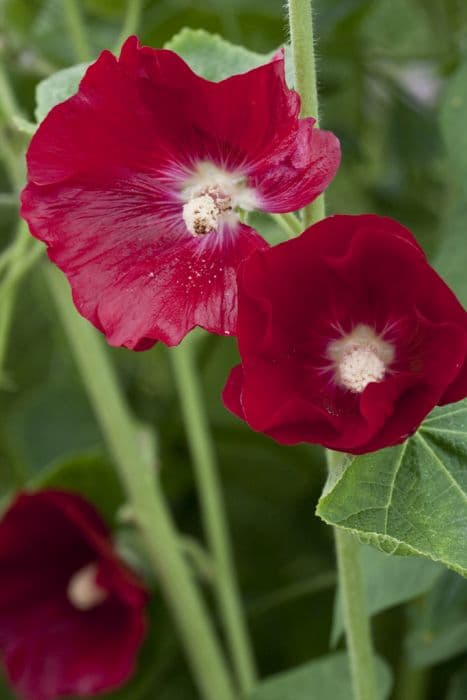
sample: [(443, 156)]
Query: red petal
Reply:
[(164, 297), (53, 650), (292, 176), (297, 297), (232, 394)]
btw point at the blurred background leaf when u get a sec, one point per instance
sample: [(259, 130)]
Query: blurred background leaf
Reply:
[(438, 629), (323, 679), (389, 581)]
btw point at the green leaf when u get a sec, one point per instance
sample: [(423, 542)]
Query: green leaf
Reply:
[(438, 628), (90, 475), (409, 499), (212, 57), (53, 422), (389, 581), (327, 678), (452, 119), (399, 27), (24, 126), (57, 88)]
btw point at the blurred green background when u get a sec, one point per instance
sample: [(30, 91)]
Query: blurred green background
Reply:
[(391, 78)]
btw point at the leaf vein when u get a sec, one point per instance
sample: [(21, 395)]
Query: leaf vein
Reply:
[(443, 466), (391, 488)]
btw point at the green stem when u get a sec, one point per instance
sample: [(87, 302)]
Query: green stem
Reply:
[(357, 627), (6, 314), (11, 162), (292, 592), (412, 683), (131, 21), (289, 223), (21, 255), (146, 498), (303, 56), (356, 619), (8, 103), (30, 253), (214, 519), (9, 109), (76, 30)]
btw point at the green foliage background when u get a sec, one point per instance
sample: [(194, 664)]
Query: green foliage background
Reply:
[(393, 86)]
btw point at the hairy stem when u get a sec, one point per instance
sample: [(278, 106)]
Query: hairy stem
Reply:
[(355, 614), (146, 498), (213, 514), (357, 625), (304, 69)]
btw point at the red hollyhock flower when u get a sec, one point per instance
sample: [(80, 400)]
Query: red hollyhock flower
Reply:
[(348, 337), (71, 614), (135, 184)]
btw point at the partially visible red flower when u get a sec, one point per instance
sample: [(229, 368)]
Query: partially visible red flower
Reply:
[(136, 182), (348, 337), (71, 614)]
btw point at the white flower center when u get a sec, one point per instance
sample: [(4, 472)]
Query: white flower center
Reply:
[(83, 592), (211, 197), (202, 213), (359, 358)]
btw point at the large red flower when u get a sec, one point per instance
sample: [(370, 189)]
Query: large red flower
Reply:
[(348, 337), (135, 184), (71, 614)]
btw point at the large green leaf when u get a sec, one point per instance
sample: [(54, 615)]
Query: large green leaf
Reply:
[(409, 499), (57, 88), (53, 422), (438, 629), (327, 678), (389, 581), (211, 56)]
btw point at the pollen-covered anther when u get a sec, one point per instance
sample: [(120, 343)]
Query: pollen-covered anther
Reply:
[(202, 212), (359, 367), (83, 591), (359, 358)]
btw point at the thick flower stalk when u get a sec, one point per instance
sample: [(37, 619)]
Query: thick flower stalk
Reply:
[(348, 337), (72, 616), (136, 184)]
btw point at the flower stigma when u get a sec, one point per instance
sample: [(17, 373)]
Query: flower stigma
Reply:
[(360, 358), (212, 196), (83, 591)]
